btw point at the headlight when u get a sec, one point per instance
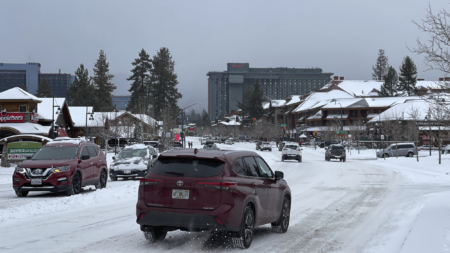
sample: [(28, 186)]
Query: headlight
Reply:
[(112, 167), (61, 169), (20, 170), (146, 162)]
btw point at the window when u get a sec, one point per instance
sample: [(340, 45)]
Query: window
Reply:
[(84, 151), (23, 108), (238, 167), (92, 152), (264, 169), (252, 168), (0, 107)]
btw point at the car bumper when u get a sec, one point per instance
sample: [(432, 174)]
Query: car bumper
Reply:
[(133, 173), (183, 219), (291, 157), (54, 183), (337, 156)]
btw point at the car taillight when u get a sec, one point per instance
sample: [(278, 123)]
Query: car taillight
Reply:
[(149, 181), (285, 149), (219, 185), (298, 149)]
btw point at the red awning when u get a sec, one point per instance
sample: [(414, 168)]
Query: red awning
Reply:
[(62, 133)]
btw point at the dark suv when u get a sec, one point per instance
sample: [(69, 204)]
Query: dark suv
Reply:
[(335, 151), (212, 190), (62, 165)]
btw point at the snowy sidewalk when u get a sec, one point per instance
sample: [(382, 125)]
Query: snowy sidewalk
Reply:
[(431, 230)]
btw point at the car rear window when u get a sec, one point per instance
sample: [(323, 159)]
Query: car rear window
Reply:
[(291, 146), (187, 167), (337, 147)]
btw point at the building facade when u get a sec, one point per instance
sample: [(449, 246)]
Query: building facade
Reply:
[(29, 75), (121, 102), (226, 88)]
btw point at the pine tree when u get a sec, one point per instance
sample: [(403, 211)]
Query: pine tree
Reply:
[(138, 133), (381, 67), (81, 92), (164, 81), (141, 85), (103, 85), (44, 90), (390, 86), (206, 121), (408, 77), (251, 106)]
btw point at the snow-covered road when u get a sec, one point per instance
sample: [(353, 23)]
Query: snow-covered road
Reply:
[(356, 206)]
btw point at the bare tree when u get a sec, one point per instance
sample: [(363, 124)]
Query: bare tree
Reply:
[(441, 119), (356, 129), (412, 126)]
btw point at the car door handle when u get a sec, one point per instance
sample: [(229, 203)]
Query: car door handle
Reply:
[(92, 163), (99, 160)]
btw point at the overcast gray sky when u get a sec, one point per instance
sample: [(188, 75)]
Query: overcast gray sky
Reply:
[(342, 37)]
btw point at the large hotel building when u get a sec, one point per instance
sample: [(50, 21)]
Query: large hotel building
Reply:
[(226, 88), (29, 74)]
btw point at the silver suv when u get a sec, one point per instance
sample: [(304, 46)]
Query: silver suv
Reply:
[(404, 149)]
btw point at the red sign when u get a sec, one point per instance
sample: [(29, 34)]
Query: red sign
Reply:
[(427, 137), (177, 137), (191, 129), (34, 118), (237, 66), (8, 117)]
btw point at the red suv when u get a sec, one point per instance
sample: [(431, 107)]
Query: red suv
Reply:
[(62, 165), (212, 190)]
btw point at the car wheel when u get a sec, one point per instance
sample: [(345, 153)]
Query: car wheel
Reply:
[(102, 180), (76, 185), (21, 193), (344, 159), (410, 154), (386, 155), (155, 234), (282, 158), (125, 178), (300, 160), (113, 178), (270, 150), (245, 235), (282, 225)]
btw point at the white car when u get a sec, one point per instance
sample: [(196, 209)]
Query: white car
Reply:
[(229, 142), (265, 146), (203, 141), (133, 161), (291, 151)]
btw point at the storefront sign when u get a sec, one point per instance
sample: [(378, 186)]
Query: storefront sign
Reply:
[(34, 118), (22, 149), (8, 117)]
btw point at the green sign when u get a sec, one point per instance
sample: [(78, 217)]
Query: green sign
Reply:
[(341, 132), (22, 149), (283, 125)]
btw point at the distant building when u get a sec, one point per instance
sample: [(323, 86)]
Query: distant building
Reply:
[(29, 74), (121, 102), (226, 88)]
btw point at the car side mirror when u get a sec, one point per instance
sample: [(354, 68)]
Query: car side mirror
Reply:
[(155, 156), (114, 158), (85, 157), (279, 175)]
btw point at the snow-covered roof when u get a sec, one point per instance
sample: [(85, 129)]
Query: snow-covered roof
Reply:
[(17, 93), (26, 135), (266, 105), (28, 128), (410, 110), (318, 115), (44, 109), (277, 103), (360, 87), (318, 99), (230, 123), (388, 101), (338, 102), (294, 99), (78, 114), (145, 118), (432, 84)]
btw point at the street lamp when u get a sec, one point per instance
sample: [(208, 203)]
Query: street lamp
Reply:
[(182, 122), (428, 118), (91, 117), (342, 122), (53, 116)]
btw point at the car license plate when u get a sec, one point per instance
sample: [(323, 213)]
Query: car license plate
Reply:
[(180, 194), (36, 181), (338, 156), (126, 171)]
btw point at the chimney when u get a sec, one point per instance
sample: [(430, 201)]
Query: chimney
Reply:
[(447, 79), (420, 79), (336, 78), (342, 78), (441, 79)]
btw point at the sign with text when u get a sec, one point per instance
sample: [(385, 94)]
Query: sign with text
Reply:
[(22, 150), (34, 118), (9, 117)]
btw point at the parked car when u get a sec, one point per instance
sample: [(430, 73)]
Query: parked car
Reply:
[(258, 144), (154, 144), (177, 145), (132, 162), (229, 142), (211, 190), (404, 149), (291, 151), (335, 151), (202, 141), (210, 145), (64, 164), (281, 145), (265, 146)]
